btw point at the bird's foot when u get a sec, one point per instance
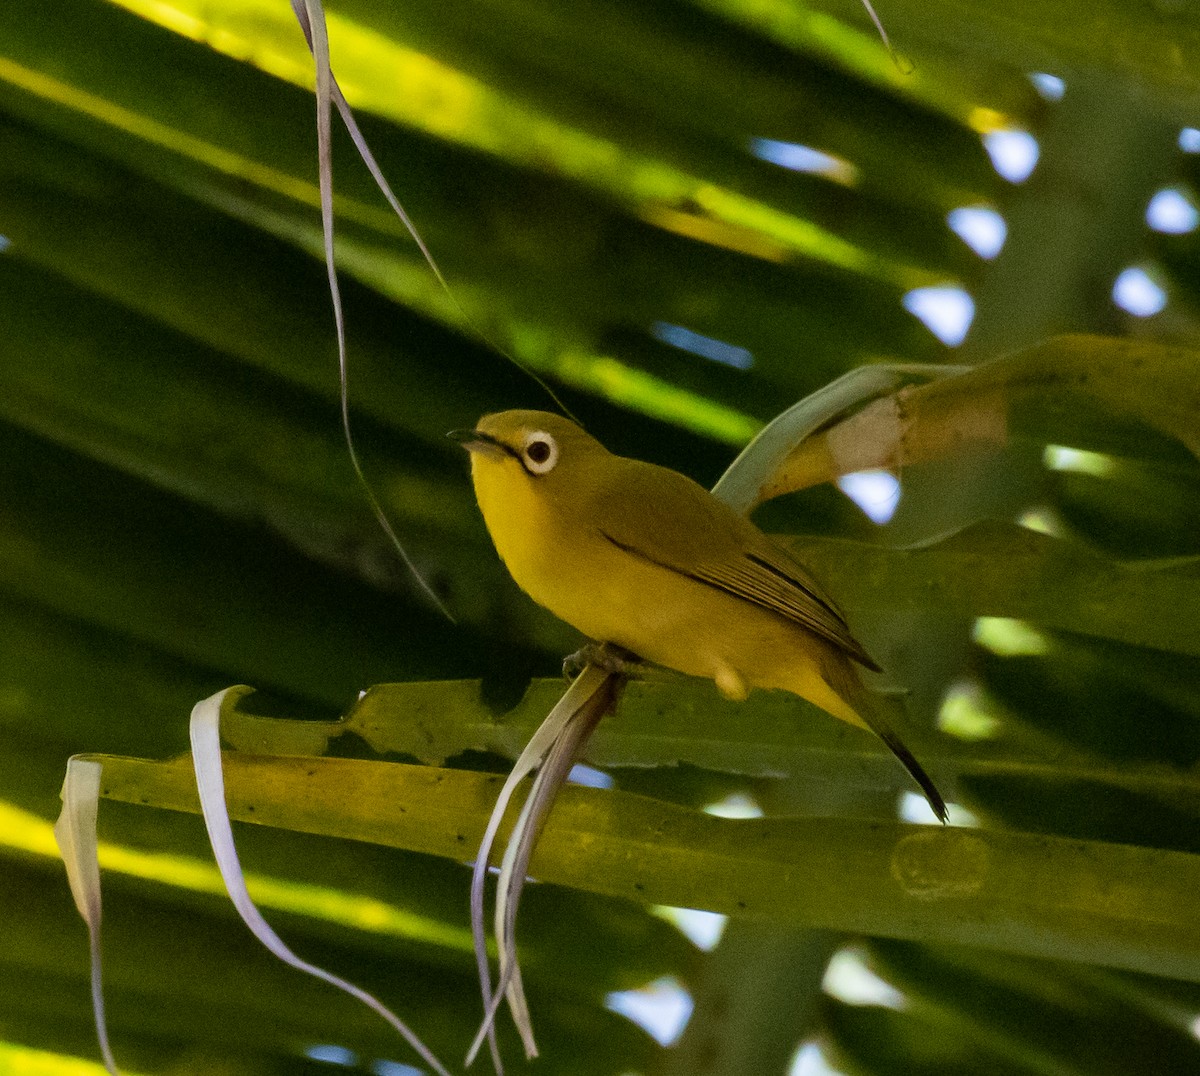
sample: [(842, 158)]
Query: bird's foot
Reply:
[(607, 656)]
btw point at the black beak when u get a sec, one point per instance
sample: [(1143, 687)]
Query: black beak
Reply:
[(477, 441)]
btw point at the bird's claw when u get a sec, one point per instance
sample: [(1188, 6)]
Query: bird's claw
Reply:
[(607, 656)]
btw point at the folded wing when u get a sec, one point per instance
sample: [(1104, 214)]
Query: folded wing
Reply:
[(694, 534)]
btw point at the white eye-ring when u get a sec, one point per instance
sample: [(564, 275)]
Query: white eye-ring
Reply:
[(540, 452)]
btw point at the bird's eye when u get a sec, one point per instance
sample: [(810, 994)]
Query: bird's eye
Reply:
[(540, 453)]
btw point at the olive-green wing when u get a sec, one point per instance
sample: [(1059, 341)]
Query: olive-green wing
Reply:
[(666, 518)]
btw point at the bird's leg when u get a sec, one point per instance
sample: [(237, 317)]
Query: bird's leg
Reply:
[(607, 656)]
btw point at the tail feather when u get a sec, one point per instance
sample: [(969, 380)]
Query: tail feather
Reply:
[(915, 769), (844, 679)]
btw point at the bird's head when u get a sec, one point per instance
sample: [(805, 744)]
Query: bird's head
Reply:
[(529, 446)]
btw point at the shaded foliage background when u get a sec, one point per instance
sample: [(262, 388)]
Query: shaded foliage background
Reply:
[(179, 514)]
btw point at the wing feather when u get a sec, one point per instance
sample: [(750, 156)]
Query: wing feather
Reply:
[(667, 519)]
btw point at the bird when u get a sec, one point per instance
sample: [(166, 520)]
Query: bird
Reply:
[(642, 557)]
